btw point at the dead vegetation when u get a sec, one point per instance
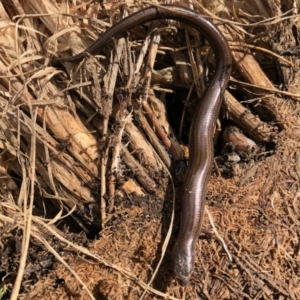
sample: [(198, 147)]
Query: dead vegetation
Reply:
[(88, 148)]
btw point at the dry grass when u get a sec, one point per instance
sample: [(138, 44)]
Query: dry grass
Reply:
[(87, 148)]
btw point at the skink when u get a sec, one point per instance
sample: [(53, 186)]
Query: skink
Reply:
[(201, 132)]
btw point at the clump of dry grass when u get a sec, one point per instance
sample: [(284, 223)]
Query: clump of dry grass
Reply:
[(86, 145)]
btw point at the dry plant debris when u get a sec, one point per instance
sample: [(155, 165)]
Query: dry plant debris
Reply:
[(86, 149)]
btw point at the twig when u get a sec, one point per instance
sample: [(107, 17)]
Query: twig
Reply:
[(27, 211), (217, 234)]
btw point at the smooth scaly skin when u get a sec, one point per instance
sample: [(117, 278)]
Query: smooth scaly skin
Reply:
[(201, 132)]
